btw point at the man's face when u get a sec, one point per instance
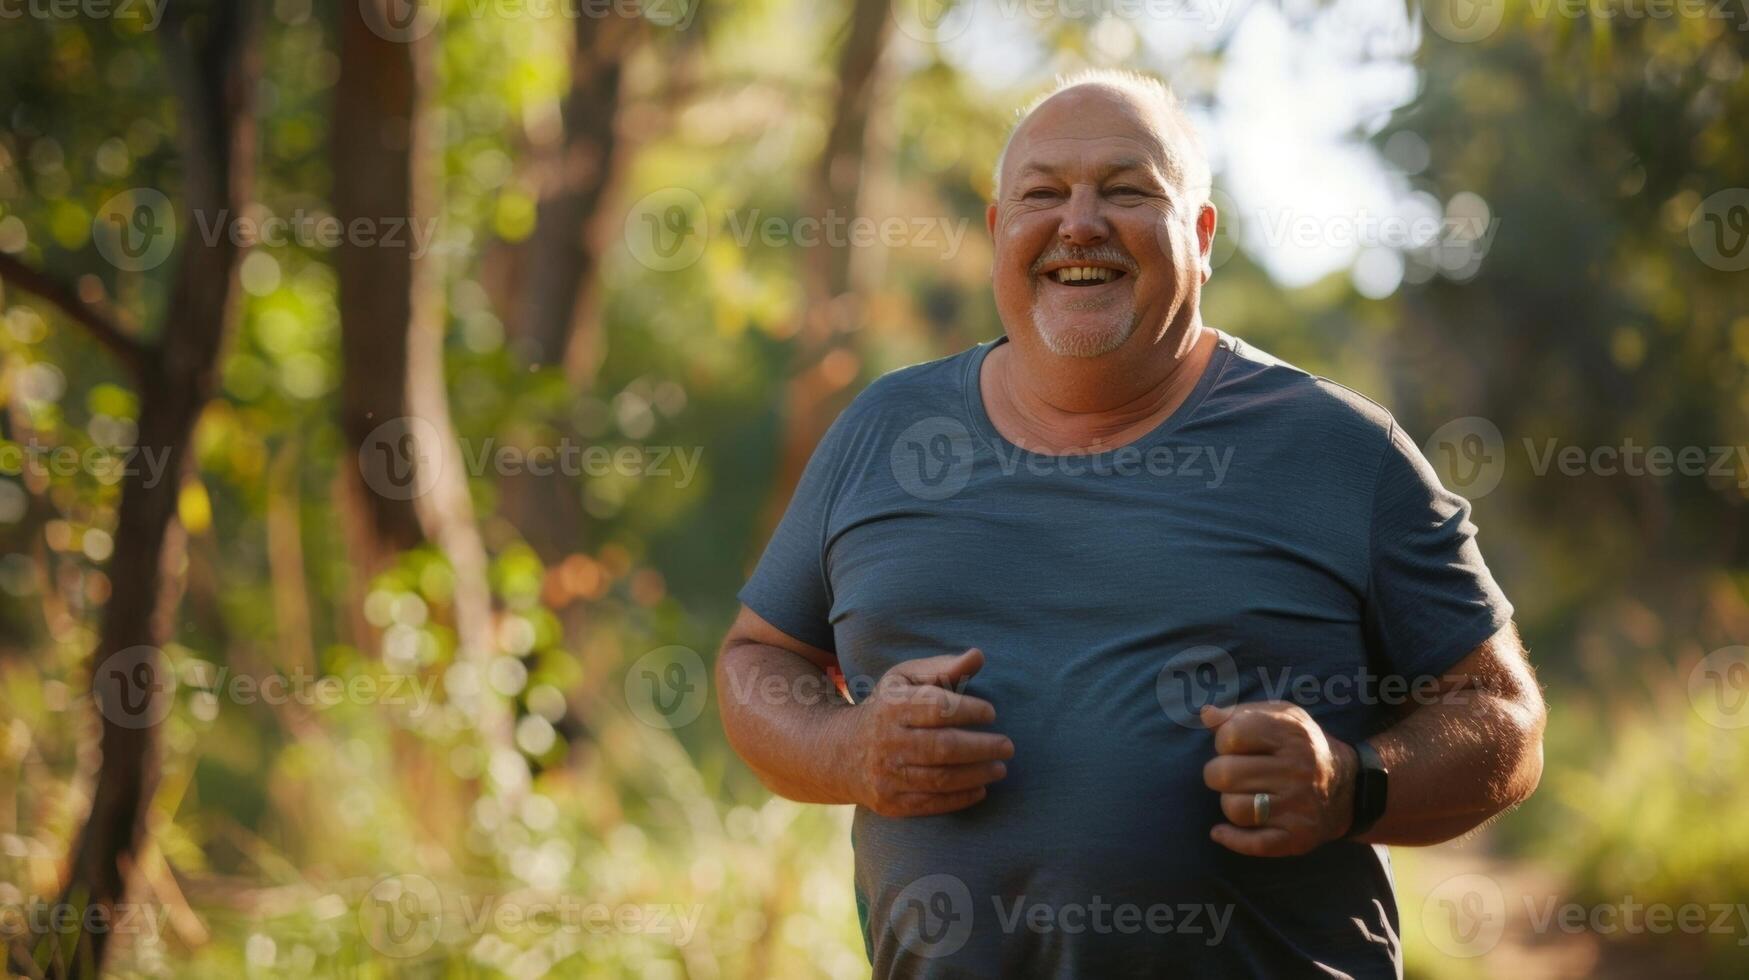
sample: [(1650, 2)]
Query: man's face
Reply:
[(1092, 239)]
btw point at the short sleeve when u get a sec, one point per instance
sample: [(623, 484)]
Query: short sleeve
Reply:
[(789, 587), (1430, 597)]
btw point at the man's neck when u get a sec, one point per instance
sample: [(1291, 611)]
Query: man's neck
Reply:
[(1059, 405)]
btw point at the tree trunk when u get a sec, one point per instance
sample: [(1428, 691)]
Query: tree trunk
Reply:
[(372, 138), (557, 322), (410, 485), (215, 68), (557, 303), (821, 366)]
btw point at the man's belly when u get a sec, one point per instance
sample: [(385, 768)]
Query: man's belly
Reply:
[(1093, 854), (1096, 861), (1092, 808)]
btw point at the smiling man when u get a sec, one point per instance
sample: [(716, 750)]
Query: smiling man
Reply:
[(1112, 717)]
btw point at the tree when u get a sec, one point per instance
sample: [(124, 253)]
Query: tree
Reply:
[(209, 50), (817, 374), (555, 304), (410, 487)]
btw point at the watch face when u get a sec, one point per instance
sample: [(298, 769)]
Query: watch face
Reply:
[(1368, 758)]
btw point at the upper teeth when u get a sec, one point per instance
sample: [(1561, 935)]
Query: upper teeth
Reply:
[(1077, 272)]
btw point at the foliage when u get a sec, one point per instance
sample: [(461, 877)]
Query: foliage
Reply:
[(1587, 320)]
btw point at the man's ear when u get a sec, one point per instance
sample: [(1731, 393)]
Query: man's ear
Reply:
[(1206, 220), (990, 225)]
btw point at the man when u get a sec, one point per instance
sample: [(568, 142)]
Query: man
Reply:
[(1169, 636)]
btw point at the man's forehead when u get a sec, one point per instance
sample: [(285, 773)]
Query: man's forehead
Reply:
[(1109, 153), (1089, 121)]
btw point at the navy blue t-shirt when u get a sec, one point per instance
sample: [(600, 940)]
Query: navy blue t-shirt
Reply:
[(1278, 536)]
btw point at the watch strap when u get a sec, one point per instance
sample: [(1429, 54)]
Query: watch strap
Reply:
[(1370, 782)]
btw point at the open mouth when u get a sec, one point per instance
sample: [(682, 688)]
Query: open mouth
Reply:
[(1084, 275)]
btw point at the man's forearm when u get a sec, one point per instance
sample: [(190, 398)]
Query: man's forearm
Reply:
[(785, 719), (1455, 765)]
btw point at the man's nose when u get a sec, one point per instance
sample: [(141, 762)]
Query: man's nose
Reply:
[(1083, 222)]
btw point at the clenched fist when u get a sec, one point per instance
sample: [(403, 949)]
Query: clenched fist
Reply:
[(910, 755), (1275, 747)]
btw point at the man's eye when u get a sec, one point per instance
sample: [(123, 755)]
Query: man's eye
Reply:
[(1038, 193), (1127, 191)]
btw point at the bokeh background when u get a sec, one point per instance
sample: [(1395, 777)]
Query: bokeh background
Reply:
[(329, 674)]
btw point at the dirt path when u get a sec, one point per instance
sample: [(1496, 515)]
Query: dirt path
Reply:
[(1466, 912)]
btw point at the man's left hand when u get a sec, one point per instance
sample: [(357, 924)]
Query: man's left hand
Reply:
[(1275, 747)]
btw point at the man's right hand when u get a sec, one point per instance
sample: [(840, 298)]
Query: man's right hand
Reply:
[(909, 754)]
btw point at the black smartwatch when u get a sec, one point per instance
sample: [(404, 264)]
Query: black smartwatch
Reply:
[(1370, 780)]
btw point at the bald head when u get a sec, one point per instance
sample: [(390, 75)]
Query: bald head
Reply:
[(1143, 105)]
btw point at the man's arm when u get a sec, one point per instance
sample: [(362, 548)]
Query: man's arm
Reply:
[(1474, 753), (1456, 761), (900, 752)]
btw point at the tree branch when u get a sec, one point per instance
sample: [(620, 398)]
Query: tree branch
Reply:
[(103, 325)]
